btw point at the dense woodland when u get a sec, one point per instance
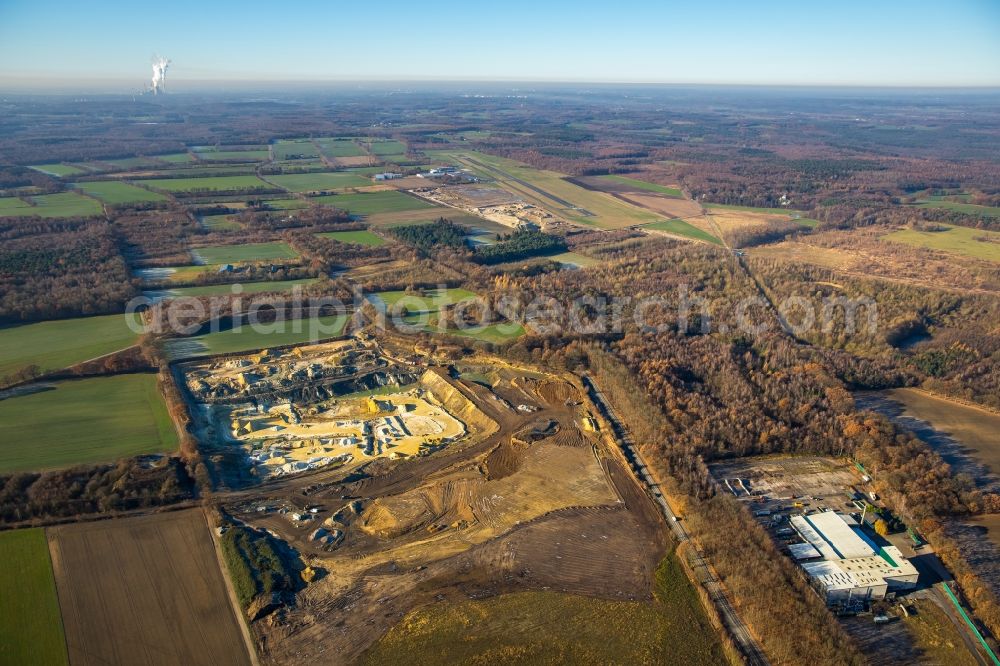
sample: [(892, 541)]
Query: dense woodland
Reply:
[(719, 395), (427, 237), (520, 244), (51, 270), (123, 486)]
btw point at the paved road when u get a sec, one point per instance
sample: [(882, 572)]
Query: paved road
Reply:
[(747, 644)]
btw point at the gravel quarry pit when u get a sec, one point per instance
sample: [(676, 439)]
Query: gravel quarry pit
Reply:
[(531, 501)]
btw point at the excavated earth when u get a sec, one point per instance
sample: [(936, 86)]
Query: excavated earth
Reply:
[(535, 502)]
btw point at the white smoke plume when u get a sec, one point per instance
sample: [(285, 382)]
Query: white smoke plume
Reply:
[(160, 65)]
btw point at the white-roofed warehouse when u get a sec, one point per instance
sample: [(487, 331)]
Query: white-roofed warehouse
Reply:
[(852, 568)]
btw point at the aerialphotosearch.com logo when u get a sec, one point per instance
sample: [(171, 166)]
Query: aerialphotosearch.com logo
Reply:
[(505, 316)]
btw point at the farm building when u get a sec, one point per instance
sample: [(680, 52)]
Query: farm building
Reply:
[(388, 176), (845, 564)]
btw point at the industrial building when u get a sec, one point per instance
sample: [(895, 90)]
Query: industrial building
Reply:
[(846, 565)]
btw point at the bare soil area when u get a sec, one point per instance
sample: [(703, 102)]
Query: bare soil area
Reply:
[(864, 254), (539, 504), (967, 437), (664, 205), (144, 590), (671, 207)]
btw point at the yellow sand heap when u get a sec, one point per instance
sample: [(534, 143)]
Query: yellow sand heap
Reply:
[(397, 425)]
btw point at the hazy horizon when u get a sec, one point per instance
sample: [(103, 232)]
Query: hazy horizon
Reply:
[(780, 43), (181, 87)]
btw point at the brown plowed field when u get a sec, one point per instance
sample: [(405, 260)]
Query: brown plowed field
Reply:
[(355, 161), (144, 590), (658, 203), (666, 206)]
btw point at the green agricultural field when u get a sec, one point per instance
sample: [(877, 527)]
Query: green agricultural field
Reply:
[(547, 627), (430, 301), (84, 421), (234, 254), (362, 237), (31, 628), (53, 345), (296, 149), (59, 170), (64, 204), (302, 166), (319, 181), (246, 338), (11, 206), (116, 192), (371, 203), (89, 167), (551, 191), (222, 222), (422, 312), (682, 228), (574, 259), (286, 204), (172, 273), (495, 333), (751, 209), (235, 156), (176, 158), (368, 170), (339, 148), (383, 148), (129, 163), (960, 240), (967, 208), (230, 147), (232, 153), (961, 196), (196, 171), (806, 222), (643, 185), (210, 184), (245, 288)]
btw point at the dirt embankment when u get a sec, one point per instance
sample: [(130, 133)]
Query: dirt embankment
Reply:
[(458, 404)]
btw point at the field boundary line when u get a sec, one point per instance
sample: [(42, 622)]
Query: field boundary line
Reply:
[(51, 543), (948, 398), (970, 623), (234, 603)]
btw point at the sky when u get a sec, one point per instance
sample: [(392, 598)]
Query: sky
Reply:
[(801, 42)]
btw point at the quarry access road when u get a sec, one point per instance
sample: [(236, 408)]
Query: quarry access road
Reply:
[(738, 629)]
